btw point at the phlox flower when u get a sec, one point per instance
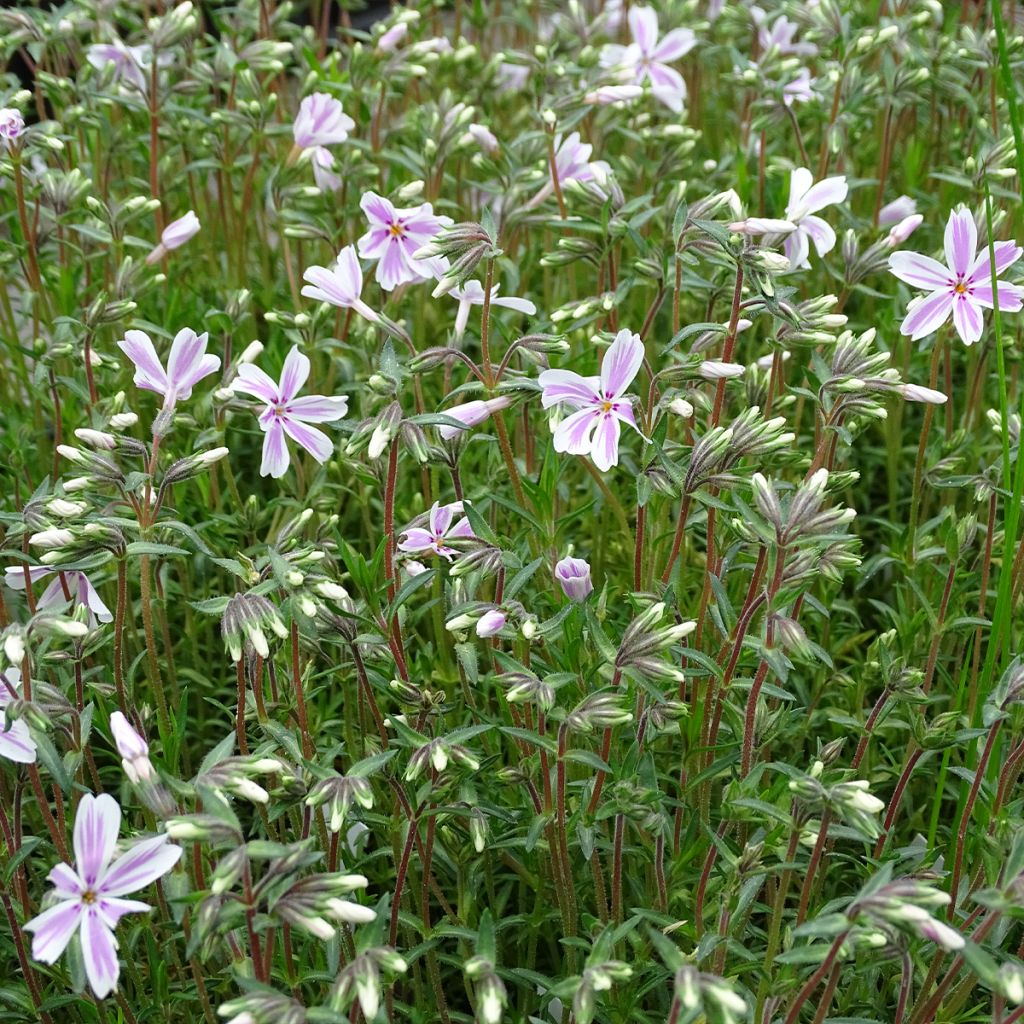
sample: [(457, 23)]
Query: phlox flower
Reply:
[(798, 90), (79, 585), (130, 63), (12, 124), (321, 122), (134, 750), (572, 163), (806, 198), (176, 234), (779, 35), (491, 622), (441, 527), (471, 293), (395, 235), (963, 287), (322, 160), (90, 893), (472, 413), (600, 403), (16, 743), (187, 364), (573, 576), (899, 209), (341, 285), (288, 414), (647, 58)]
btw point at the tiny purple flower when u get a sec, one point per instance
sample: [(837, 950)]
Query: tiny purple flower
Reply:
[(899, 209), (287, 414), (322, 161), (16, 743), (573, 575), (79, 585), (187, 363), (341, 285), (90, 893), (600, 402), (394, 237), (12, 124), (134, 750), (647, 58), (176, 234), (962, 287), (321, 122), (441, 528)]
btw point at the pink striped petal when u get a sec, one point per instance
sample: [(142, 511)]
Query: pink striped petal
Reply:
[(99, 951), (440, 518), (253, 381), (316, 442), (927, 314), (52, 930), (113, 909), (961, 241), (416, 539), (16, 743), (144, 863), (566, 386), (967, 319), (1007, 253), (96, 826), (275, 452), (1010, 296), (643, 24), (920, 271), (605, 451), (574, 433), (65, 881), (621, 363), (149, 373), (379, 211), (294, 374), (674, 44), (826, 192), (821, 234), (318, 408)]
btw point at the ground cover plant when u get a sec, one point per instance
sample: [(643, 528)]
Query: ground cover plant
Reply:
[(511, 512)]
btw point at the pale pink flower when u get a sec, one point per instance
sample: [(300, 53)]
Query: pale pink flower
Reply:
[(963, 287), (484, 138), (492, 621), (897, 210), (341, 285), (321, 122), (90, 893), (902, 230), (441, 528), (392, 38), (12, 124), (471, 413), (288, 414), (647, 58), (471, 293), (176, 234), (572, 163), (798, 90), (778, 37), (134, 750), (600, 403), (805, 199), (128, 62), (82, 591), (16, 743), (187, 364), (394, 237), (573, 575), (322, 160)]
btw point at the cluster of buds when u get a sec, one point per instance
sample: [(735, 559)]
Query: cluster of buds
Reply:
[(801, 517), (438, 753), (597, 977), (376, 434), (245, 621), (314, 902), (721, 449), (360, 979), (464, 245), (338, 794), (906, 903), (646, 638), (702, 996), (850, 800), (236, 775), (524, 687), (263, 1007), (598, 711)]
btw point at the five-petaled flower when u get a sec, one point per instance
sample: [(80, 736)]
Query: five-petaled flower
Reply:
[(471, 293), (340, 285), (805, 199), (573, 163), (187, 364), (288, 414), (963, 287), (16, 743), (441, 528), (79, 586), (648, 59), (321, 122), (600, 402), (90, 893), (394, 237)]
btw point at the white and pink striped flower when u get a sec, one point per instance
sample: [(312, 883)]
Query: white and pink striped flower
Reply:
[(395, 236), (963, 287), (440, 529), (600, 403)]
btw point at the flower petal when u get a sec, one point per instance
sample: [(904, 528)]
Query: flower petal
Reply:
[(520, 305), (440, 518), (621, 363), (113, 909), (16, 743), (145, 862), (318, 408), (379, 211), (316, 442), (605, 451), (826, 192), (416, 539), (821, 234), (927, 314), (1010, 296), (643, 24), (567, 386), (961, 241), (88, 596), (99, 951), (1007, 253), (185, 362), (52, 930), (275, 452), (800, 182), (253, 381), (796, 247), (294, 374), (65, 881), (920, 271), (967, 319), (573, 433), (674, 44), (149, 373), (97, 823)]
